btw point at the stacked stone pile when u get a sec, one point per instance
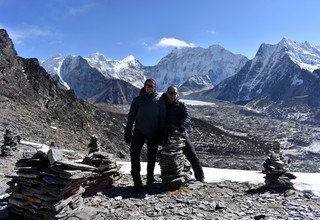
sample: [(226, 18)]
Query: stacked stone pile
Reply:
[(175, 170), (275, 168), (50, 187), (93, 145), (106, 166), (9, 144), (104, 162)]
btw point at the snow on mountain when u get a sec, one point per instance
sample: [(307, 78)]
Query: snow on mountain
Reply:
[(282, 80), (195, 84), (287, 61), (128, 69), (53, 66), (303, 54), (101, 63), (182, 63)]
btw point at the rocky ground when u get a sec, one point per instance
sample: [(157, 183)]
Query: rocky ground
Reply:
[(224, 200), (232, 136), (299, 141), (195, 200)]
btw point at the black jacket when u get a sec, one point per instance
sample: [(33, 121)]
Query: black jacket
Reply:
[(145, 113), (176, 113)]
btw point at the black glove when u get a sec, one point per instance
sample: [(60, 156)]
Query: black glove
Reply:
[(127, 136), (161, 138), (182, 129), (169, 129)]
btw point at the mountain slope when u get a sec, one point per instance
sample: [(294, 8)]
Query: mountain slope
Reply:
[(129, 69), (283, 73), (33, 106), (177, 67), (88, 82)]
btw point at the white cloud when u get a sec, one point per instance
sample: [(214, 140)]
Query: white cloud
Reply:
[(173, 42), (19, 35)]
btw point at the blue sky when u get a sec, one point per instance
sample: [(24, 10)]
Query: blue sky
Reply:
[(149, 29)]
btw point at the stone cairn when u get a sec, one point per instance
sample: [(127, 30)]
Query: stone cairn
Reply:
[(9, 145), (275, 168), (48, 186), (175, 169), (93, 145)]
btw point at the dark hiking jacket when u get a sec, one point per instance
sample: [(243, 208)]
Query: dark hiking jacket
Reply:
[(145, 113), (176, 113)]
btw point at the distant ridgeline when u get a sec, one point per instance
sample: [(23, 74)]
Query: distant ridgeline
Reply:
[(282, 80)]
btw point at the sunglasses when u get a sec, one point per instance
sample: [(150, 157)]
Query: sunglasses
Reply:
[(150, 86), (172, 93)]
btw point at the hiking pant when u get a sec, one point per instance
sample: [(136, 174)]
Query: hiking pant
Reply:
[(191, 155), (137, 143)]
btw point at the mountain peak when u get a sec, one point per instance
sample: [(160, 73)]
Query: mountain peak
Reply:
[(129, 59), (216, 47), (303, 54), (98, 56), (6, 46)]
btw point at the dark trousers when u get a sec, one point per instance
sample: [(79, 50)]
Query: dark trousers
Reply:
[(137, 143), (191, 155)]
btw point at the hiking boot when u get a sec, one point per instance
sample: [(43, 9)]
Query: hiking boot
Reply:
[(137, 188), (137, 183), (202, 181), (151, 180)]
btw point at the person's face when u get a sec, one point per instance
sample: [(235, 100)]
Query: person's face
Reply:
[(172, 94), (150, 88)]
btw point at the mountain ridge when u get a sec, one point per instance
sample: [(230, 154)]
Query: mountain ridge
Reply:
[(216, 73)]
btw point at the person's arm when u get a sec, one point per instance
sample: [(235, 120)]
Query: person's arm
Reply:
[(162, 114), (185, 118), (131, 118), (132, 115)]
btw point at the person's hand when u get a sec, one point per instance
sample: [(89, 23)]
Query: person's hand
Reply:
[(160, 138), (170, 129), (127, 136), (182, 129)]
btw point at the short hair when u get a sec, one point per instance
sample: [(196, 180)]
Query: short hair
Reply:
[(172, 87), (152, 81)]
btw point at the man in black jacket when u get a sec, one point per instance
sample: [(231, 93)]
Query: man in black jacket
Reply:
[(177, 118), (145, 113)]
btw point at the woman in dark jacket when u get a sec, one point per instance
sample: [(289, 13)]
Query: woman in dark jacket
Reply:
[(145, 114)]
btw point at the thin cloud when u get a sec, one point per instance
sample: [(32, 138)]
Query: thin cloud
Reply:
[(212, 32), (21, 34), (173, 42), (81, 9)]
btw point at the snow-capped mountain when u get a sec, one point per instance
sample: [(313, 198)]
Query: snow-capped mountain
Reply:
[(128, 69), (88, 82), (282, 79), (215, 63), (281, 74), (194, 69), (53, 66), (282, 70), (195, 84)]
